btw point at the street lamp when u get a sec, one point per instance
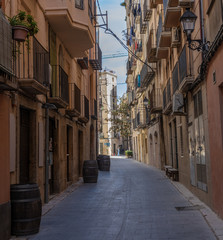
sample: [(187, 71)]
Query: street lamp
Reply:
[(188, 20)]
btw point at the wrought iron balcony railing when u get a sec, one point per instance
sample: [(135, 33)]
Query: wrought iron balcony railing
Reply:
[(155, 99), (93, 109), (59, 91), (96, 59), (175, 78), (74, 108), (84, 117), (31, 66), (7, 78), (146, 75)]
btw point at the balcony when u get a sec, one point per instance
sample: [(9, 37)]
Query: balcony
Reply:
[(84, 117), (7, 79), (155, 103), (83, 63), (147, 11), (138, 48), (185, 70), (163, 38), (138, 85), (167, 99), (73, 25), (31, 67), (151, 48), (59, 92), (96, 59), (137, 12), (147, 75), (172, 13), (94, 109), (143, 25), (175, 78), (74, 108)]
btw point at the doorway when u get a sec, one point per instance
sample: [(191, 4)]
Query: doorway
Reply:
[(24, 176), (69, 153), (175, 143), (51, 156), (92, 143), (80, 152)]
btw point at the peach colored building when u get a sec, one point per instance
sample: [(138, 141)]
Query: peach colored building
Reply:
[(214, 82), (48, 97)]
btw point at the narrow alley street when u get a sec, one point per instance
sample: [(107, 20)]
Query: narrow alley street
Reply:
[(131, 202)]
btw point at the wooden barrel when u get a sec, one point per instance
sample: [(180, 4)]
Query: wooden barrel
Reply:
[(26, 208), (104, 162), (90, 171)]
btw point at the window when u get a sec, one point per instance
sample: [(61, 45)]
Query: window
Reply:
[(181, 142), (79, 4), (90, 13)]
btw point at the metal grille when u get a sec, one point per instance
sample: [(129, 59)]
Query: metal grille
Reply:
[(95, 107), (164, 98), (64, 87), (40, 63), (79, 4), (5, 45), (86, 107), (183, 64), (143, 25), (168, 92), (90, 14), (201, 173), (59, 84), (96, 60), (159, 30), (138, 119), (77, 99), (175, 78)]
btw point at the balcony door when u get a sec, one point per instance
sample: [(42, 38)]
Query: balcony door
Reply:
[(53, 60)]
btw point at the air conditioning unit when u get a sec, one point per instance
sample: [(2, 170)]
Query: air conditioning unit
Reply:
[(178, 103), (175, 37), (186, 3)]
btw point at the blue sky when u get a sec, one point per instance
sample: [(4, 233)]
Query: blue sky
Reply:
[(109, 45)]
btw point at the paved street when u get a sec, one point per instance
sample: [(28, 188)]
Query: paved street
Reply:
[(131, 202)]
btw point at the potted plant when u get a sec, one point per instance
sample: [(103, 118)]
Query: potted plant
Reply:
[(128, 153), (23, 25)]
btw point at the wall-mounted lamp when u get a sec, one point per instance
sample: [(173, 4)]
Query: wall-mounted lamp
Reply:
[(188, 20)]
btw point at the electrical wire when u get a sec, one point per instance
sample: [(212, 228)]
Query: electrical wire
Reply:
[(109, 31)]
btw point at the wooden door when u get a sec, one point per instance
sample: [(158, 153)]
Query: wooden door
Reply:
[(24, 145)]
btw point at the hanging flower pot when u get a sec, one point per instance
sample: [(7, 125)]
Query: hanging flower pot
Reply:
[(23, 24), (19, 33)]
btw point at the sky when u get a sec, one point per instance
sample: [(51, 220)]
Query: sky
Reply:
[(109, 45)]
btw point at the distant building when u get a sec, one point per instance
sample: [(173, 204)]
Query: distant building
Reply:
[(107, 92)]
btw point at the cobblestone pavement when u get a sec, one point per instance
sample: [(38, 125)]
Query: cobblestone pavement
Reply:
[(131, 202)]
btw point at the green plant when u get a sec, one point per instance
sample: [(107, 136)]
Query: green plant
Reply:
[(128, 153), (25, 20)]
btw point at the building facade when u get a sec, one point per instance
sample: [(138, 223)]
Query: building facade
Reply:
[(175, 91), (48, 91), (107, 94)]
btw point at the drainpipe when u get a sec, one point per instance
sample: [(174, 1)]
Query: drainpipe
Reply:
[(46, 197), (202, 24)]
